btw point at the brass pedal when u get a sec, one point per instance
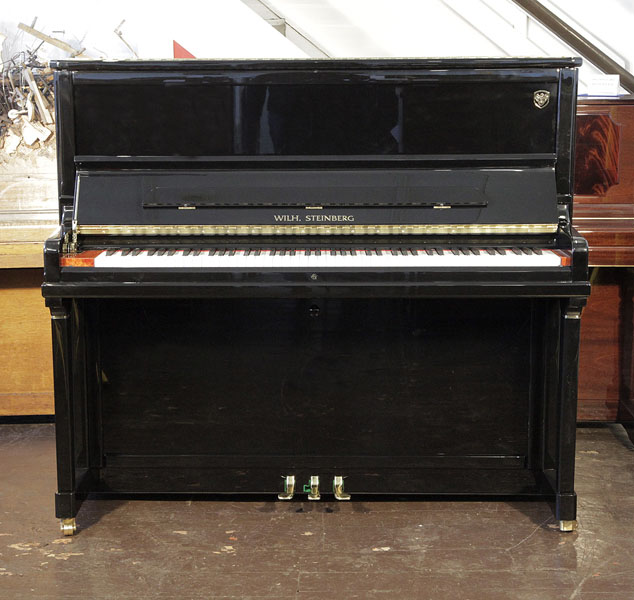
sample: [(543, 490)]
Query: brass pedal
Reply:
[(337, 488), (289, 488), (313, 489)]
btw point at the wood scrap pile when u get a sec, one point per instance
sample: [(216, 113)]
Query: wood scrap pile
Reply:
[(26, 105)]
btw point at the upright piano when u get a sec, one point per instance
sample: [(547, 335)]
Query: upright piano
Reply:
[(316, 279), (604, 215)]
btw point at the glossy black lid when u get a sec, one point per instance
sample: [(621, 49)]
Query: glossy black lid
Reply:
[(329, 63)]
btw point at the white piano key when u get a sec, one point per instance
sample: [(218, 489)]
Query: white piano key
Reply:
[(264, 259)]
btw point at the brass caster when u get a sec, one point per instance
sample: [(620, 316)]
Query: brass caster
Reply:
[(313, 492), (567, 525), (289, 488), (68, 526), (337, 488)]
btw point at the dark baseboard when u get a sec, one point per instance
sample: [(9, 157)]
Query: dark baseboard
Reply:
[(19, 419)]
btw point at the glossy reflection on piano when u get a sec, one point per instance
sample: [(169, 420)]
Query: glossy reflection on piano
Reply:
[(316, 279)]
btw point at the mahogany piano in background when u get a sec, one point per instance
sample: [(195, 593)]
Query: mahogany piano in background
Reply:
[(604, 214), (277, 277)]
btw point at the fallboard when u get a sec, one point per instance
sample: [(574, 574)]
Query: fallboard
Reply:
[(316, 201)]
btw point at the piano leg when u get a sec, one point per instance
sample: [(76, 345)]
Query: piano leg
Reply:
[(66, 500), (625, 414), (565, 497)]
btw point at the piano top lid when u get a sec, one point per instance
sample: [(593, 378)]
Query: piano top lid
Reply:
[(302, 64)]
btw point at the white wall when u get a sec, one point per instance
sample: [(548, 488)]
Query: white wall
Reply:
[(228, 29), (212, 29), (609, 24), (459, 27)]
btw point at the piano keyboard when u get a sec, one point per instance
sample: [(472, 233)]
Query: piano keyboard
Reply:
[(317, 258)]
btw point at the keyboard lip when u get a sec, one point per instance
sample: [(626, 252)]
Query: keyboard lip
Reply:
[(94, 283), (244, 277)]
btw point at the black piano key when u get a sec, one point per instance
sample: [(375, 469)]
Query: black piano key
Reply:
[(273, 251), (257, 252), (292, 252), (414, 251), (232, 252), (429, 251), (221, 252), (161, 251), (308, 251), (126, 251), (317, 252), (439, 251), (151, 252), (475, 251), (136, 252), (501, 251), (247, 252), (516, 251), (527, 251), (197, 252), (333, 252), (368, 252), (537, 251), (464, 251), (353, 252), (187, 251), (110, 251), (455, 251), (378, 252), (403, 251), (171, 252), (491, 251), (282, 251), (394, 252)]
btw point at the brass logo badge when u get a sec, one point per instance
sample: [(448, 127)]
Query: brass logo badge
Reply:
[(541, 98)]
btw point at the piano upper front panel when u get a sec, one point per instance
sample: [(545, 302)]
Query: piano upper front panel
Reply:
[(418, 112)]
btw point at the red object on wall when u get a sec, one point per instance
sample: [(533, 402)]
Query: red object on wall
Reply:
[(180, 52)]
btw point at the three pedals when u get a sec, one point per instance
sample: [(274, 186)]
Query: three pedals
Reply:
[(312, 488)]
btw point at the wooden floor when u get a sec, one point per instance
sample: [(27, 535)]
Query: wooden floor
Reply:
[(256, 549)]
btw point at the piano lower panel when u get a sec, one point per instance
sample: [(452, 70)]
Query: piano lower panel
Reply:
[(400, 395)]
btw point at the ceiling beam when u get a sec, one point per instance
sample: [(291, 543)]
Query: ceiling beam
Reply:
[(289, 30)]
